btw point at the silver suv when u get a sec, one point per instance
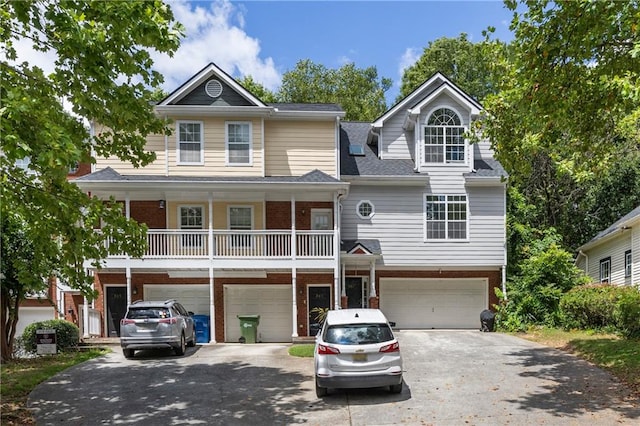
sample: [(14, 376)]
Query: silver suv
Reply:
[(156, 324)]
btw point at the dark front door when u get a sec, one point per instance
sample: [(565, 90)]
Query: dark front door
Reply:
[(116, 309), (319, 298), (353, 287)]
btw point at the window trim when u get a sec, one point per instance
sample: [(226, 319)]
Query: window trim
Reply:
[(627, 263), (605, 261), (360, 215), (240, 206), (446, 239), (178, 142), (226, 144), (194, 241), (465, 144)]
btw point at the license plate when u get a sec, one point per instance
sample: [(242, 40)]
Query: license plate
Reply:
[(360, 357)]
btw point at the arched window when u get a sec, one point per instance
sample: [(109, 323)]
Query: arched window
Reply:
[(444, 137)]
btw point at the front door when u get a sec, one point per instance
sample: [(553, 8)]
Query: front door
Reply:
[(319, 298), (356, 292), (116, 309)]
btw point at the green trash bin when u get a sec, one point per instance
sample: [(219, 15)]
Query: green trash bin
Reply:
[(249, 328)]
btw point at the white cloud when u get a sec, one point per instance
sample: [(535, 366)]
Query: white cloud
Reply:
[(408, 58), (215, 34)]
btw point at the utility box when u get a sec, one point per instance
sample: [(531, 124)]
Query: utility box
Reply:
[(249, 328)]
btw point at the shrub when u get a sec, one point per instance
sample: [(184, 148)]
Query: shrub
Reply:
[(589, 306), (627, 312), (67, 334)]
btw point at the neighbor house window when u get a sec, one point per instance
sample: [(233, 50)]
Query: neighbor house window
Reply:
[(605, 270), (238, 137), (365, 209), (190, 143), (241, 219), (191, 220), (446, 217), (444, 137), (627, 263)]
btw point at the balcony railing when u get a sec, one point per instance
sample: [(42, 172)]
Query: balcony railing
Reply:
[(266, 244)]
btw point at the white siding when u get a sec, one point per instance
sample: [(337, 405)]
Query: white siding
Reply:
[(635, 255), (397, 143), (614, 248), (398, 223)]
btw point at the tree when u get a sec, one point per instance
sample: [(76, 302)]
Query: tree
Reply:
[(572, 87), (257, 89), (103, 68), (358, 91), (467, 64)]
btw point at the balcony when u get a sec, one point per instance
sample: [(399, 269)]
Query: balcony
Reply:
[(237, 248)]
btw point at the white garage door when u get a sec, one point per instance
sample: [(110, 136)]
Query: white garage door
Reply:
[(433, 303), (194, 297), (272, 302), (28, 315)]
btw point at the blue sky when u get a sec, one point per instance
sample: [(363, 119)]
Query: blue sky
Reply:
[(266, 38)]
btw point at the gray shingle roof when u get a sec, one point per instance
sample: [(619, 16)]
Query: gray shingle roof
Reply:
[(487, 168), (373, 246), (617, 224), (108, 174), (369, 164)]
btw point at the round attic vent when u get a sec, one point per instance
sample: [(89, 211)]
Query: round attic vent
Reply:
[(213, 88)]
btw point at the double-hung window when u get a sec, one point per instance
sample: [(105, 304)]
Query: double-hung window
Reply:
[(241, 219), (605, 270), (627, 263), (238, 143), (444, 137), (191, 220), (190, 142), (446, 217)]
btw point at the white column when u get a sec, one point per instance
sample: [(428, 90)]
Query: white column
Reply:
[(372, 279), (212, 306), (343, 291), (128, 274), (336, 251), (294, 271), (85, 319)]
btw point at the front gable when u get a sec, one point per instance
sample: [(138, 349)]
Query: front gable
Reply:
[(212, 86)]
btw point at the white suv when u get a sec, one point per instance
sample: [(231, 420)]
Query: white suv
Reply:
[(356, 348), (156, 324)]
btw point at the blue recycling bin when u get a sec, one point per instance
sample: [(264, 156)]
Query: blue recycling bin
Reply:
[(202, 328)]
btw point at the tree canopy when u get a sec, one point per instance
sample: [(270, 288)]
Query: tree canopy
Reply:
[(103, 68), (467, 64), (359, 91)]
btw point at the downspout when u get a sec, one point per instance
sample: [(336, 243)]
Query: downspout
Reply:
[(338, 150), (294, 270), (166, 151), (336, 250), (586, 261)]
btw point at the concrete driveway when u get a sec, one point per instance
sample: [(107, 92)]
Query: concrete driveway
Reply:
[(452, 378)]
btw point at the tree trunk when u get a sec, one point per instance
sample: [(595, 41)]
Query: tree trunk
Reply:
[(8, 324)]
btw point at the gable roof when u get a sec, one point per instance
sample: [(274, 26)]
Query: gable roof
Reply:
[(205, 73), (617, 227), (428, 90)]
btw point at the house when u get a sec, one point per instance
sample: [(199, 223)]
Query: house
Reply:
[(612, 255), (278, 209)]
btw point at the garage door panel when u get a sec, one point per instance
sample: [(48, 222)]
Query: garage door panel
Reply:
[(272, 302), (428, 303), (194, 297)]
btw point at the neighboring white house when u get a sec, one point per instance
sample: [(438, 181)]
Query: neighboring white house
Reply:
[(613, 256)]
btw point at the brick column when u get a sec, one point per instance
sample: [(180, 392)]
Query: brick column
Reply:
[(374, 302), (344, 302)]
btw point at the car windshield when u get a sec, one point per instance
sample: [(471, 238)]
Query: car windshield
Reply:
[(148, 313), (358, 334)]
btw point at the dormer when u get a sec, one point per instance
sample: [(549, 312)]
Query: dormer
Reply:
[(429, 126)]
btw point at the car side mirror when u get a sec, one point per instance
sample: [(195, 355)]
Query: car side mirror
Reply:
[(392, 323), (191, 313)]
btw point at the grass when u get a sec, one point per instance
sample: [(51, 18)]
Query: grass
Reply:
[(19, 377), (304, 350), (621, 357)]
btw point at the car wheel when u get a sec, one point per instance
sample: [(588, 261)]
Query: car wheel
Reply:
[(180, 350), (192, 342), (396, 388), (128, 353), (320, 391)]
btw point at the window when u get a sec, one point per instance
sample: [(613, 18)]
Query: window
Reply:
[(190, 142), (446, 217), (241, 219), (191, 219), (627, 263), (238, 143), (444, 138), (605, 270), (25, 164), (365, 209)]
